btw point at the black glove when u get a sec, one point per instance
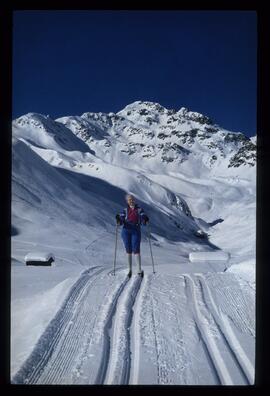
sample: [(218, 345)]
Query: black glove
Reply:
[(145, 219), (118, 219)]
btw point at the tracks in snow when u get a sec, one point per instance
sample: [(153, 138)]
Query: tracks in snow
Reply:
[(52, 339), (95, 336), (84, 328), (119, 362), (228, 358)]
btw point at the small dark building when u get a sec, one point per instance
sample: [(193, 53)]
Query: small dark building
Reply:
[(200, 234), (39, 258)]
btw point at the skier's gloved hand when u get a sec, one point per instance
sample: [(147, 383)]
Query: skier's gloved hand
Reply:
[(118, 219), (145, 219)]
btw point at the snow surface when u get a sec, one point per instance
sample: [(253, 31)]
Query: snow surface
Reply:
[(208, 256), (189, 323)]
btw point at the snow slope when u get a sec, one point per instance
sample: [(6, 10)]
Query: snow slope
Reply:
[(69, 177)]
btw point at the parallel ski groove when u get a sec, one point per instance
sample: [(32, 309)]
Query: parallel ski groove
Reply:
[(159, 372), (225, 327), (56, 371), (67, 347), (238, 367), (110, 312), (66, 314), (33, 366), (70, 344), (214, 353), (137, 335), (84, 324), (90, 340), (118, 369)]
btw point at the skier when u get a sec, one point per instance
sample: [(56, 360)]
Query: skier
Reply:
[(131, 218)]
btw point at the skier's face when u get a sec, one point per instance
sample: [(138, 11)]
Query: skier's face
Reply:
[(131, 201)]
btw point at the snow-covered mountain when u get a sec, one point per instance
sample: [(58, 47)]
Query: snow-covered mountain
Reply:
[(148, 132), (144, 134), (160, 155), (69, 178)]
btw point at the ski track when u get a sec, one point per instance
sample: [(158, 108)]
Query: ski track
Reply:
[(134, 374), (218, 335), (119, 362), (242, 359), (213, 351), (39, 361), (86, 329), (103, 343), (100, 343)]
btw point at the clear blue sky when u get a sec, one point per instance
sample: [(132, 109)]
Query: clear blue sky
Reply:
[(70, 62)]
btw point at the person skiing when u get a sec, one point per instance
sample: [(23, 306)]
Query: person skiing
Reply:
[(131, 218)]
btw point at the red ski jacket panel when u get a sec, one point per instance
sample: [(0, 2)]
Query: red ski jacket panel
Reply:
[(132, 215)]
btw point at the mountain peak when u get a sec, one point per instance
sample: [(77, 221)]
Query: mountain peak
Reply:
[(140, 105), (147, 108)]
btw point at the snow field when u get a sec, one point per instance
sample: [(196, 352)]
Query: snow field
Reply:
[(191, 323)]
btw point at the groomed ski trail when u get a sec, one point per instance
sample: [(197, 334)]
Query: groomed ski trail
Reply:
[(100, 347), (135, 333), (111, 330), (217, 335), (52, 358), (119, 363), (224, 325)]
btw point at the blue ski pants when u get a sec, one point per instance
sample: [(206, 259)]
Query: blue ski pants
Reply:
[(131, 236)]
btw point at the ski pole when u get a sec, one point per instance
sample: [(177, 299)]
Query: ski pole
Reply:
[(116, 232), (149, 238)]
